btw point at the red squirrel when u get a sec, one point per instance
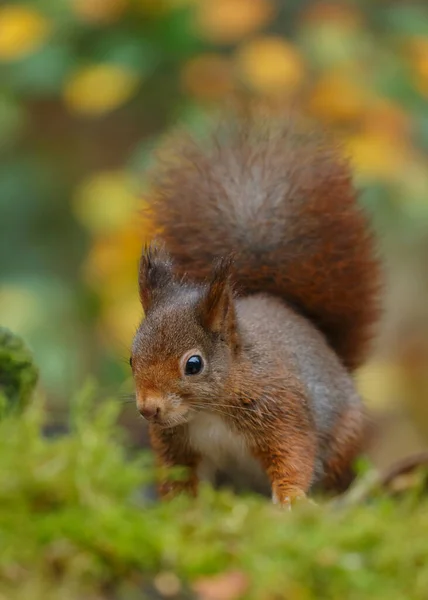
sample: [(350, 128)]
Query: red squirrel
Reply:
[(259, 303)]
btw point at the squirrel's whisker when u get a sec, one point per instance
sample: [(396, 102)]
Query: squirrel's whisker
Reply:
[(213, 408)]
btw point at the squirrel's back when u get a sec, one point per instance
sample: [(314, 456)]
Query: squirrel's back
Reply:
[(280, 199)]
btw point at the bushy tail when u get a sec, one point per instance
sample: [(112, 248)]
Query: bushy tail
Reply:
[(280, 198)]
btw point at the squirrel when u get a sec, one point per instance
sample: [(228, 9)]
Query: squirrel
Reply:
[(259, 303)]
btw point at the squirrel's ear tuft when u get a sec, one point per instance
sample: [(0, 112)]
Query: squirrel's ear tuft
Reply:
[(217, 307), (155, 274)]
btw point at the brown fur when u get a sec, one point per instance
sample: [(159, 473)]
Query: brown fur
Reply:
[(274, 390), (347, 440)]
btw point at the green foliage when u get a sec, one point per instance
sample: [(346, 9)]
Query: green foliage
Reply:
[(77, 521), (18, 375)]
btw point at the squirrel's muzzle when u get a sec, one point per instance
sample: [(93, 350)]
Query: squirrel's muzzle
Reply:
[(149, 412), (149, 407)]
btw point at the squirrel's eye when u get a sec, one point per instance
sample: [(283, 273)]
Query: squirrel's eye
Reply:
[(130, 361), (194, 365)]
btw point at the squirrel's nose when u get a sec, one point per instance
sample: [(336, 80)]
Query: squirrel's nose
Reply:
[(149, 412)]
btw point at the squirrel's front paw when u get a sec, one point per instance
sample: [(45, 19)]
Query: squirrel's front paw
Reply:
[(170, 489), (288, 497)]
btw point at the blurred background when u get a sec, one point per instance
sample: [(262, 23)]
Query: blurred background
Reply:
[(88, 87)]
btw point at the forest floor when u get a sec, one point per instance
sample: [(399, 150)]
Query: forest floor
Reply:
[(76, 523)]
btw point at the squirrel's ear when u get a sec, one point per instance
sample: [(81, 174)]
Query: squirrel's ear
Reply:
[(217, 305), (155, 274)]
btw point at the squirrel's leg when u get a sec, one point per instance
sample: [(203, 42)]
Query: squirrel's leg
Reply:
[(171, 449), (347, 441), (289, 466)]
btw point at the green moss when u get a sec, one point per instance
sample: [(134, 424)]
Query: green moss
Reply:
[(75, 522), (18, 375)]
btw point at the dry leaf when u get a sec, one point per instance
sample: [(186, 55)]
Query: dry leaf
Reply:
[(228, 586), (270, 64), (98, 89)]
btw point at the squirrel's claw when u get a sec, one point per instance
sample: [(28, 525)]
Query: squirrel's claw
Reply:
[(289, 499)]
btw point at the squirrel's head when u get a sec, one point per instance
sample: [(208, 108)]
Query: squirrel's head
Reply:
[(183, 349)]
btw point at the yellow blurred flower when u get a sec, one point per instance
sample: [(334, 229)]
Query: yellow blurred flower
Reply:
[(270, 64), (98, 89), (22, 31), (120, 319), (208, 76), (112, 269), (227, 21), (338, 96), (113, 259), (105, 201), (104, 263), (375, 157), (99, 11)]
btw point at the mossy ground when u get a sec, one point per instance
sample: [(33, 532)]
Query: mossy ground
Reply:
[(75, 523)]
